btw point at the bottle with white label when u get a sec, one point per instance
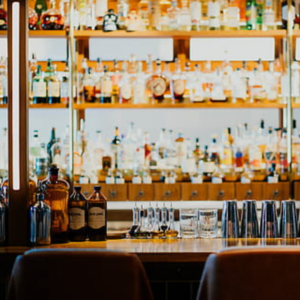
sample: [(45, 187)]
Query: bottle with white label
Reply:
[(171, 179), (77, 216), (214, 15), (147, 179), (136, 179), (247, 176), (217, 176), (119, 177), (196, 13), (126, 88), (39, 87), (185, 19), (53, 87), (273, 177), (97, 216), (109, 179)]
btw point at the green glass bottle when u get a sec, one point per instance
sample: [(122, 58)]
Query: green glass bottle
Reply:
[(251, 14), (40, 6), (259, 14)]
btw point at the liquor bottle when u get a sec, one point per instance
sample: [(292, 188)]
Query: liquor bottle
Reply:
[(197, 93), (196, 14), (139, 85), (110, 179), (52, 19), (147, 179), (90, 15), (164, 224), (173, 15), (255, 157), (257, 86), (141, 231), (269, 15), (89, 86), (3, 219), (126, 89), (171, 232), (39, 87), (115, 147), (56, 152), (214, 151), (164, 5), (214, 15), (208, 162), (82, 14), (119, 177), (41, 162), (251, 14), (185, 20), (101, 9), (106, 87), (156, 232), (110, 21), (178, 84), (143, 12), (135, 221), (32, 74), (226, 153), (40, 220), (40, 7), (273, 176), (77, 216), (283, 153), (218, 88), (232, 15), (122, 8), (97, 216), (218, 175), (196, 177), (259, 13), (270, 149), (57, 196), (53, 88), (284, 13), (247, 176), (32, 19), (239, 87), (181, 148), (64, 85), (271, 84), (154, 15), (34, 151), (136, 179), (50, 144), (158, 84)]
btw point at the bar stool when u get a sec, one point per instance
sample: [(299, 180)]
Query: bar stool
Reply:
[(259, 273), (78, 274)]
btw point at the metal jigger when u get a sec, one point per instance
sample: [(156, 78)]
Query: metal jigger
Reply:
[(249, 220), (269, 227), (230, 220), (288, 220)]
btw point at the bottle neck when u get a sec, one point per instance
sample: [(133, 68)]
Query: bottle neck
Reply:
[(53, 178)]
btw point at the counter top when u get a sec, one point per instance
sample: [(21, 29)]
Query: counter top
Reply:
[(169, 250)]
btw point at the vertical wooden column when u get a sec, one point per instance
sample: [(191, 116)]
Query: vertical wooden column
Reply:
[(18, 121)]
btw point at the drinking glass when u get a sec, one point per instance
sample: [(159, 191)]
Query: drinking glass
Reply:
[(208, 223), (188, 222), (288, 219), (269, 226), (249, 220)]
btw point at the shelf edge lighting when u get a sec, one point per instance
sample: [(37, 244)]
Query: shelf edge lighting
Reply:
[(16, 95)]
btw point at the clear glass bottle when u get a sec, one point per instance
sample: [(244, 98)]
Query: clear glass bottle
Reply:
[(53, 87), (97, 216), (214, 15), (218, 175), (171, 232), (232, 15), (106, 87), (269, 15), (125, 86), (150, 218), (57, 197), (40, 220), (178, 84), (164, 223), (143, 12), (157, 232), (52, 19), (122, 8), (251, 15), (185, 21), (110, 179), (196, 14), (135, 221), (139, 87), (247, 176), (136, 179), (77, 216), (173, 14), (39, 87), (141, 231), (64, 86)]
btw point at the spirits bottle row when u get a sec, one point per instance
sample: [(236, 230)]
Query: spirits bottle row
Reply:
[(241, 152), (56, 217), (162, 15)]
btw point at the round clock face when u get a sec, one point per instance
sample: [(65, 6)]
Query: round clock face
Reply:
[(179, 87), (159, 86)]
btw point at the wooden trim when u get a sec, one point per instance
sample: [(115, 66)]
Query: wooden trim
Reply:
[(18, 229)]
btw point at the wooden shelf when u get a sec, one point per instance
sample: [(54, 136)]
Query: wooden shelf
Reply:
[(179, 34), (48, 106), (42, 33), (179, 105)]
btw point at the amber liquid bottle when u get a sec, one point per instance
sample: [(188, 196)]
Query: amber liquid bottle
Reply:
[(77, 216), (57, 196), (97, 216)]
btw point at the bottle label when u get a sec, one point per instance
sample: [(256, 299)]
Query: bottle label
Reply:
[(120, 181), (185, 20), (101, 8), (272, 179), (137, 180), (110, 180), (147, 180), (227, 157), (216, 180), (179, 87), (106, 87), (209, 167), (197, 179), (76, 218), (39, 89), (170, 180), (269, 18), (233, 16), (53, 89), (195, 9), (159, 86), (96, 217), (126, 91), (245, 180), (213, 9)]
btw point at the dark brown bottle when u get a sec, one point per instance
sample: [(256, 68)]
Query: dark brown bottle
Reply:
[(97, 216), (77, 216)]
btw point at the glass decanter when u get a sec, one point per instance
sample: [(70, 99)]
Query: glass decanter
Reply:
[(135, 221), (142, 231), (156, 230), (171, 232), (52, 19)]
